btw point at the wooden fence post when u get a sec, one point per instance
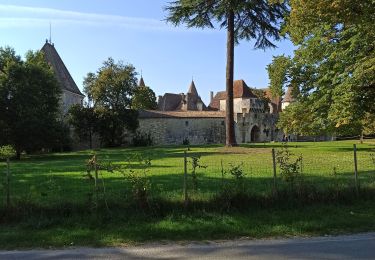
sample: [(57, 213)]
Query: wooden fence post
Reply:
[(274, 170), (185, 180), (8, 183), (355, 169)]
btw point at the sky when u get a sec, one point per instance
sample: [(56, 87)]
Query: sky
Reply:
[(87, 32)]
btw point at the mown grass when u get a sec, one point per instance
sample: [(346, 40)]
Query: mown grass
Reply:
[(48, 182)]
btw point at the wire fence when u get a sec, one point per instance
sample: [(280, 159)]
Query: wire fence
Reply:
[(67, 178)]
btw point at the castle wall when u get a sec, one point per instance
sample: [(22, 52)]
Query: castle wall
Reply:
[(69, 99), (263, 125), (166, 131)]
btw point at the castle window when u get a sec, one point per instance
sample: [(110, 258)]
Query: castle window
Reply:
[(222, 122), (186, 123)]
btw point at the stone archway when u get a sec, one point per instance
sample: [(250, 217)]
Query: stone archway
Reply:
[(255, 134)]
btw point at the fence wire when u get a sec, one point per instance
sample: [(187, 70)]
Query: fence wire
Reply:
[(56, 182)]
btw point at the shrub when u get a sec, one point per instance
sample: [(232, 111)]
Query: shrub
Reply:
[(142, 139), (185, 141), (195, 164), (138, 177), (290, 169)]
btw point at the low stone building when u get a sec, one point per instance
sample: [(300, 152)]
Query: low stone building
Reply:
[(182, 117)]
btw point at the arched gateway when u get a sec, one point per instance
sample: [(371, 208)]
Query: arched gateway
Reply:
[(255, 134)]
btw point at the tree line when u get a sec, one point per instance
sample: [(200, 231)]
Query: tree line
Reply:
[(31, 118)]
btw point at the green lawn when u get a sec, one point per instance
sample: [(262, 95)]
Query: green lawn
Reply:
[(56, 180)]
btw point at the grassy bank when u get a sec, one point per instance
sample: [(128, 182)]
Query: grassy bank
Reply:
[(52, 200)]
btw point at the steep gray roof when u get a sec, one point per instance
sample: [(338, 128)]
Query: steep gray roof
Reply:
[(141, 83), (193, 89), (62, 74), (170, 102)]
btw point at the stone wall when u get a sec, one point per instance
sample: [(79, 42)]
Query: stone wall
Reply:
[(166, 131), (261, 124), (69, 99)]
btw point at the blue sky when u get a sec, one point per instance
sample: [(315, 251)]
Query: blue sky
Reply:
[(86, 32)]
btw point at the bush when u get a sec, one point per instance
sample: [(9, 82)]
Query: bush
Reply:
[(142, 139), (185, 141)]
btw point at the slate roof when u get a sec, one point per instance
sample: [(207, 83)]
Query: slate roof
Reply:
[(192, 89), (144, 114), (62, 74), (170, 101), (141, 83)]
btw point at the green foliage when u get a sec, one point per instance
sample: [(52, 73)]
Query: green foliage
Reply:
[(138, 176), (84, 120), (7, 152), (195, 164), (110, 91), (144, 98), (290, 169), (29, 102), (277, 73), (259, 21), (142, 139), (186, 141), (334, 64)]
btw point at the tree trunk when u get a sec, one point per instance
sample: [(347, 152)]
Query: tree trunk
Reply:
[(230, 138), (18, 155)]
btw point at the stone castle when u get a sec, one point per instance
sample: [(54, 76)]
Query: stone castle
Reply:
[(184, 117)]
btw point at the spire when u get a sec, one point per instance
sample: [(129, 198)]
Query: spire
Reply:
[(141, 82), (192, 89)]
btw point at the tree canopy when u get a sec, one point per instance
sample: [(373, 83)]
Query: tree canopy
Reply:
[(144, 98), (333, 66), (257, 20), (29, 102), (110, 91)]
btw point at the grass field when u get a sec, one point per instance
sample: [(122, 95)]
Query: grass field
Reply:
[(57, 179)]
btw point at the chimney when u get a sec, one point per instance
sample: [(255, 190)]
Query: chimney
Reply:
[(211, 96)]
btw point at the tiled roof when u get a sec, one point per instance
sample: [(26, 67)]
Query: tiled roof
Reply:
[(62, 74), (180, 114), (240, 90)]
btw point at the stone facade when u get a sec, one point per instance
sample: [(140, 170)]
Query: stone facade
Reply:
[(179, 119), (204, 127)]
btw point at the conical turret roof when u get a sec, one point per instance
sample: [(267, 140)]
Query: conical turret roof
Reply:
[(62, 74), (193, 89), (141, 83)]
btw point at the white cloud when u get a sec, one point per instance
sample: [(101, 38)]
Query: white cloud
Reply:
[(12, 16)]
